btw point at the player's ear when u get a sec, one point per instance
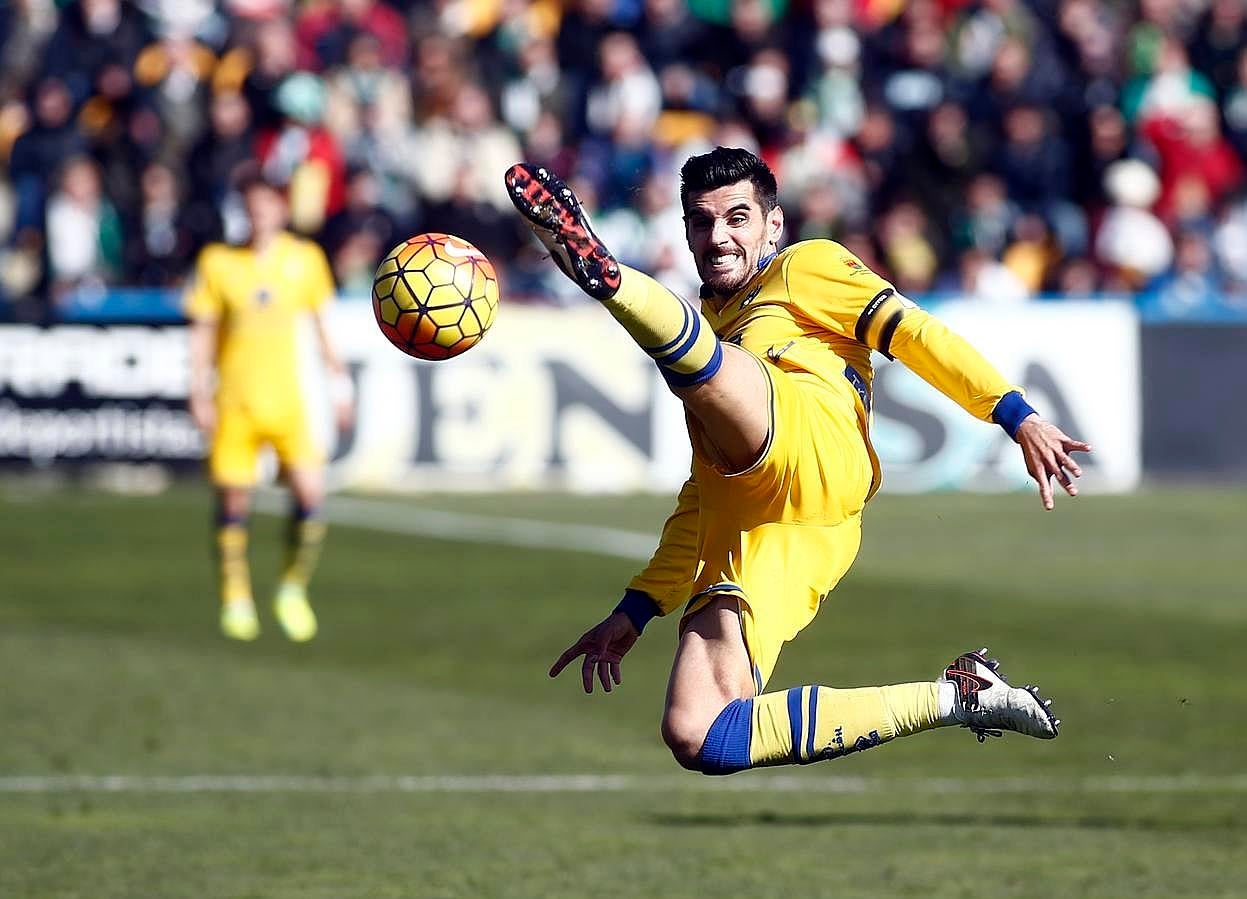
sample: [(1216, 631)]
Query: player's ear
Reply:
[(775, 225)]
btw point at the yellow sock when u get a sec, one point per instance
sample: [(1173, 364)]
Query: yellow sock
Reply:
[(809, 724), (235, 574), (672, 332), (304, 537)]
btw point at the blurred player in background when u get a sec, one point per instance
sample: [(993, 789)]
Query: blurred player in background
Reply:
[(775, 376), (244, 304)]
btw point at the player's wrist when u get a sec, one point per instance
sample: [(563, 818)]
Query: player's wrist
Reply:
[(342, 388), (640, 608), (1011, 411)]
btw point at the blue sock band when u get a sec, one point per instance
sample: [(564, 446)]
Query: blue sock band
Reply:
[(726, 749), (299, 513)]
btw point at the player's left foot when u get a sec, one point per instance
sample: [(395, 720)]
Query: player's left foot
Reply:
[(556, 217), (294, 613), (987, 704)]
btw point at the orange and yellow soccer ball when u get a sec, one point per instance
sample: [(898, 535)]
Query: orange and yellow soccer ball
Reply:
[(435, 296)]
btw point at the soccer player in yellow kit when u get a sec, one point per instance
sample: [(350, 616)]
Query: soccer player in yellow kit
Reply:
[(774, 372), (244, 304)]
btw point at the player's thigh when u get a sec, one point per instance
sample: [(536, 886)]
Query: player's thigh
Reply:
[(711, 669), (296, 447), (732, 409), (235, 449)]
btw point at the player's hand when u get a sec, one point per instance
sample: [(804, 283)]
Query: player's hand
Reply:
[(603, 646), (344, 415), (203, 412), (342, 389), (1046, 450)]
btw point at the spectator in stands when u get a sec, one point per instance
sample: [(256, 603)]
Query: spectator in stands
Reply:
[(359, 235), (1132, 245), (94, 48), (303, 155), (215, 160), (163, 238), (324, 32), (462, 153), (83, 231), (1191, 289)]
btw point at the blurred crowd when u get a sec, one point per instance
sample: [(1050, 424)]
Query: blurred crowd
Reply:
[(1000, 149)]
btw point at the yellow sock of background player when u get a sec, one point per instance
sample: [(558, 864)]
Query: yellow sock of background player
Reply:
[(304, 536), (238, 618), (305, 532), (233, 569), (812, 723), (673, 333)]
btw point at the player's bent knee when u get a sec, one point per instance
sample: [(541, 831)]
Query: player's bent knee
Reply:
[(684, 735)]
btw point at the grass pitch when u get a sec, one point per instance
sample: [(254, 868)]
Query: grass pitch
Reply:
[(403, 752)]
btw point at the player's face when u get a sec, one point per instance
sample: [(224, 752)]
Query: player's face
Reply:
[(266, 208), (728, 233)]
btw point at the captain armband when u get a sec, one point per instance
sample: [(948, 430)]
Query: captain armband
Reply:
[(879, 320)]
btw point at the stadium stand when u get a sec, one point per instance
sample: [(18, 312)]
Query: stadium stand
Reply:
[(1001, 149)]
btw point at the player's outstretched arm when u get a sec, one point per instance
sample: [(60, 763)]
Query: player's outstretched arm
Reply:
[(1046, 449), (603, 646)]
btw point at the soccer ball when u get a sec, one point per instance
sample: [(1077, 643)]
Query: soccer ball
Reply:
[(435, 296)]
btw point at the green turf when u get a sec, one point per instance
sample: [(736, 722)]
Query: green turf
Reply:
[(431, 662)]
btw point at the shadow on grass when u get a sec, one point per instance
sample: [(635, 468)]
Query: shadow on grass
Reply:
[(945, 819)]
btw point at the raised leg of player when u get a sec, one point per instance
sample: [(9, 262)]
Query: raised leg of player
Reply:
[(720, 384), (238, 618), (305, 533)]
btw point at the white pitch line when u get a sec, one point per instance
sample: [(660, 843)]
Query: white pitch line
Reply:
[(392, 518), (614, 783)]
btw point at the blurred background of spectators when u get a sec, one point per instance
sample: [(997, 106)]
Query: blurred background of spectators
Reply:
[(997, 149)]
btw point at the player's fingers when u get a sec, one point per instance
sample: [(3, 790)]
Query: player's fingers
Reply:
[(1076, 446), (568, 654), (1068, 464), (586, 672), (1043, 477), (604, 674), (1064, 480), (616, 672)]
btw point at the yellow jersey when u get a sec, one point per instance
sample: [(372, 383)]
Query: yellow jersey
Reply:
[(257, 300), (816, 311)]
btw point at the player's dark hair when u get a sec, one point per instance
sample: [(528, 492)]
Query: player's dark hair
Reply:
[(728, 165)]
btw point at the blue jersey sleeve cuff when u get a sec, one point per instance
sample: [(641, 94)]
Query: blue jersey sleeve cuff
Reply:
[(1011, 411), (639, 606)]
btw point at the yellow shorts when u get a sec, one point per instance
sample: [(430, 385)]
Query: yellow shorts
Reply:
[(780, 535), (239, 436)]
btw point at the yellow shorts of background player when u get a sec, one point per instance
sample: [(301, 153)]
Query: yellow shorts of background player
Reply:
[(781, 534), (241, 433)]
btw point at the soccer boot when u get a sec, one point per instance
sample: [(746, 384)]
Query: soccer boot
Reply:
[(988, 705), (552, 211), (294, 613), (238, 619)]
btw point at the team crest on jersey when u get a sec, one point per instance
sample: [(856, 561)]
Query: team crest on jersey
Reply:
[(263, 296), (854, 266)]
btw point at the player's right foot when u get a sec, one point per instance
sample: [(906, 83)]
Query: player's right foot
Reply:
[(987, 704), (239, 620), (554, 213)]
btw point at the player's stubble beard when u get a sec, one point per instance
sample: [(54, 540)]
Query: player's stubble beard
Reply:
[(724, 284)]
